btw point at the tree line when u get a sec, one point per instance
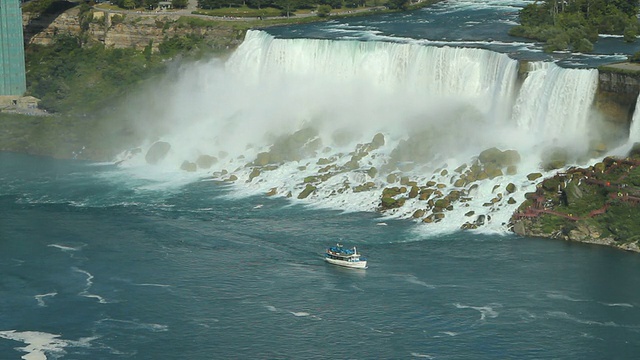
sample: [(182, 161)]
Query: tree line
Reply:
[(576, 24), (288, 6), (148, 4), (280, 4)]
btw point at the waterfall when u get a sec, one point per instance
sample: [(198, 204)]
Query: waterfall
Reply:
[(334, 123), (554, 103), (634, 130)]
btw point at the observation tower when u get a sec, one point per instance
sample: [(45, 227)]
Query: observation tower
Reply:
[(12, 69)]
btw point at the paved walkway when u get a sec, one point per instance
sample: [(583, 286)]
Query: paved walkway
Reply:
[(193, 6)]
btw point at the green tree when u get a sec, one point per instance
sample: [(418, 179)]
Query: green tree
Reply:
[(287, 6), (179, 4), (151, 4), (398, 4), (128, 4), (635, 57), (583, 45), (324, 10), (630, 34), (567, 22)]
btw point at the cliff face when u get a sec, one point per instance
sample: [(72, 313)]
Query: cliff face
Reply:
[(618, 89), (130, 30)]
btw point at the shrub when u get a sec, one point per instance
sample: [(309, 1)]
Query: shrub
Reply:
[(583, 45), (635, 57), (630, 33), (324, 10)]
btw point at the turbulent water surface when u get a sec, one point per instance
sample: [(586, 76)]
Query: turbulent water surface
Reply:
[(141, 259), (97, 265)]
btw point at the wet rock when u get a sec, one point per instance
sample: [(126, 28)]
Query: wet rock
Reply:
[(263, 159), (157, 152), (377, 142), (307, 191), (254, 173), (534, 176), (364, 187), (188, 166), (206, 161)]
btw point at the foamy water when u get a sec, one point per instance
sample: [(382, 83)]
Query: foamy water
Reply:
[(437, 108)]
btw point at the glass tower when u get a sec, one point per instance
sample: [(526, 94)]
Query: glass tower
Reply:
[(12, 70)]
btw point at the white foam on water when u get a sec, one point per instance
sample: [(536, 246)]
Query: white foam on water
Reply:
[(40, 298), (421, 356), (65, 248), (40, 344), (485, 311), (448, 103), (85, 292)]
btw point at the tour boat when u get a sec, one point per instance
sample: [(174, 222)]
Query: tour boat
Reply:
[(339, 255)]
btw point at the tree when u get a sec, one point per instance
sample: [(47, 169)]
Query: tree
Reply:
[(128, 4), (151, 4), (324, 10), (287, 6), (398, 4), (179, 4), (583, 45)]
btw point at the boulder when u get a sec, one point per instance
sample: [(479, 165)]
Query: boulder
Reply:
[(414, 192), (554, 158), (206, 161), (534, 176), (263, 159), (459, 183), (254, 173), (499, 158), (188, 166), (364, 187), (157, 152), (377, 142), (307, 191), (325, 161)]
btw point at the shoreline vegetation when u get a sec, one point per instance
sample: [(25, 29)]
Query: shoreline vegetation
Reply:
[(85, 87), (575, 24)]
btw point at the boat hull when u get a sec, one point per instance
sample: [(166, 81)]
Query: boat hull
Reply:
[(362, 264)]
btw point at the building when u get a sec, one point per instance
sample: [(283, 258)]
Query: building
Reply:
[(164, 5), (12, 69)]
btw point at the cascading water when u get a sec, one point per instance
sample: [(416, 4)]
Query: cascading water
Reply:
[(554, 104), (634, 130), (344, 124)]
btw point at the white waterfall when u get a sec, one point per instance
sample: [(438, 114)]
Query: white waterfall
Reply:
[(554, 103), (634, 130), (438, 108)]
